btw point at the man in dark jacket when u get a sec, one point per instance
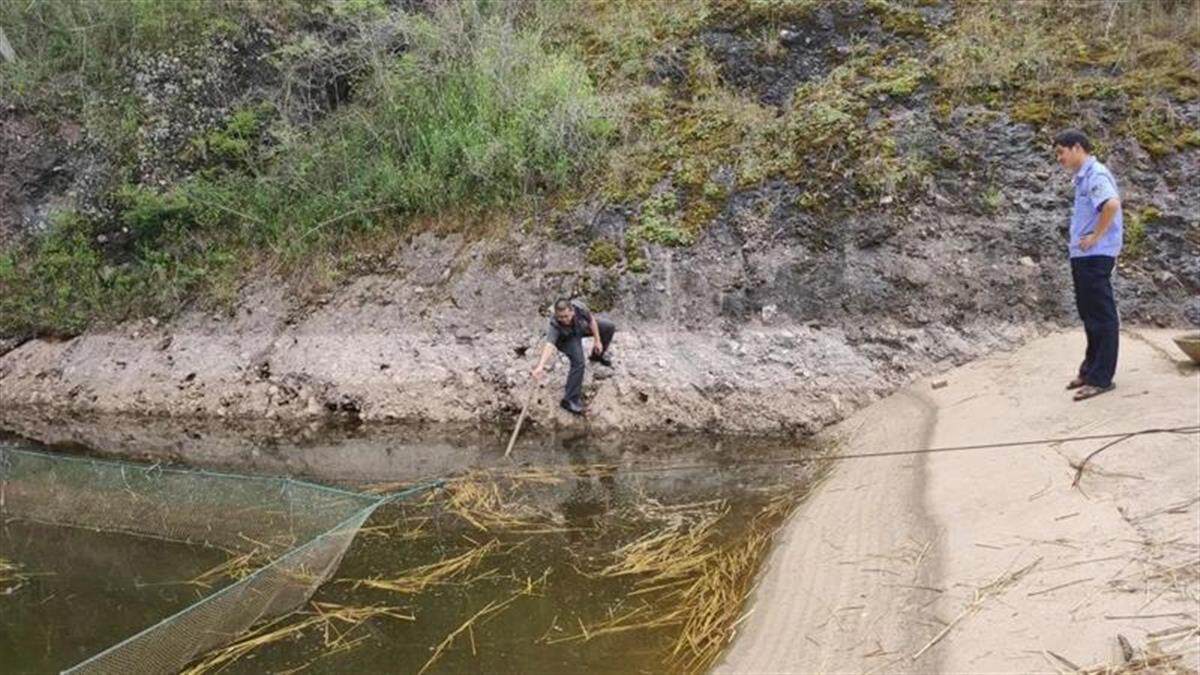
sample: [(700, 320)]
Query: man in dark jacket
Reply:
[(572, 321)]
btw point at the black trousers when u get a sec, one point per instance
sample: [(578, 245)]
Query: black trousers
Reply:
[(1094, 299), (573, 348)]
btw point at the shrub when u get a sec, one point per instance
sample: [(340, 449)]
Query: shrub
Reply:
[(604, 253), (475, 113), (1135, 230)]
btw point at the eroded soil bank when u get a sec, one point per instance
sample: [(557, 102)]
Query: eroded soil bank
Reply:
[(364, 361)]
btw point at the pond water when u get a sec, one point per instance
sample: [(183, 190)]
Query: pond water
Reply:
[(553, 537), (76, 592)]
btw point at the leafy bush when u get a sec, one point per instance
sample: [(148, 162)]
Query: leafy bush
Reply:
[(475, 113)]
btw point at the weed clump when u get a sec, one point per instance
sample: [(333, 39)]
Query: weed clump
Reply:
[(603, 253)]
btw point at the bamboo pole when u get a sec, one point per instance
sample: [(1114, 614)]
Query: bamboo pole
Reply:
[(520, 421)]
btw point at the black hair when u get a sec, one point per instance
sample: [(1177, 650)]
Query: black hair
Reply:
[(561, 304), (1069, 138)]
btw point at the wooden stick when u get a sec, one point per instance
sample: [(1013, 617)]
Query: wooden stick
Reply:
[(520, 421)]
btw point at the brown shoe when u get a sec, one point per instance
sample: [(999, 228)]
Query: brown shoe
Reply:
[(1076, 383)]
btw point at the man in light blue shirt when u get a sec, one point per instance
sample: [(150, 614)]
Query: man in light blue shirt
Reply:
[(1096, 233)]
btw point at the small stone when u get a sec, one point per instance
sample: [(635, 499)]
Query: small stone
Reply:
[(769, 312), (939, 384), (1026, 261), (885, 200)]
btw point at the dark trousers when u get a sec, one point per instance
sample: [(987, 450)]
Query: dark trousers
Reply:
[(573, 348), (1094, 298)]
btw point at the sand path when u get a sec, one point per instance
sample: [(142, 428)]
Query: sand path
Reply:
[(993, 551)]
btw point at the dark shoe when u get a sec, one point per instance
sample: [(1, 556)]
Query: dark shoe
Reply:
[(602, 360), (573, 408), (1076, 383)]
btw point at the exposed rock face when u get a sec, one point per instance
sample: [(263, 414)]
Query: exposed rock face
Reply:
[(779, 318), (34, 175), (425, 341)]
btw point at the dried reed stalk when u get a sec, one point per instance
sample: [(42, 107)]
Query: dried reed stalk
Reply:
[(995, 587), (672, 552), (690, 580), (14, 576), (490, 608), (336, 622), (713, 604), (418, 579), (477, 499), (238, 566)]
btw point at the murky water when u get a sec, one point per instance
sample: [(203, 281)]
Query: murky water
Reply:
[(86, 591), (581, 499)]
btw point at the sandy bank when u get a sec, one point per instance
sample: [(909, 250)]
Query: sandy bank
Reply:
[(994, 550)]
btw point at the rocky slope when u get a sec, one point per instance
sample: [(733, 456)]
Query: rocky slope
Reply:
[(776, 316)]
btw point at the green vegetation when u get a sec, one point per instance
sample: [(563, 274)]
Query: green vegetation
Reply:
[(1136, 222), (637, 263), (236, 144), (63, 282), (992, 199), (457, 122), (1040, 61), (77, 47), (656, 224), (488, 104), (897, 79), (604, 253), (475, 114)]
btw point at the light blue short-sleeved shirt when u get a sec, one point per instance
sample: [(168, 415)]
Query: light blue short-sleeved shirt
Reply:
[(1094, 185)]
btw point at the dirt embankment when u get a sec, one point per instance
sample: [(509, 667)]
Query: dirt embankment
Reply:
[(368, 364), (778, 317), (779, 339)]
